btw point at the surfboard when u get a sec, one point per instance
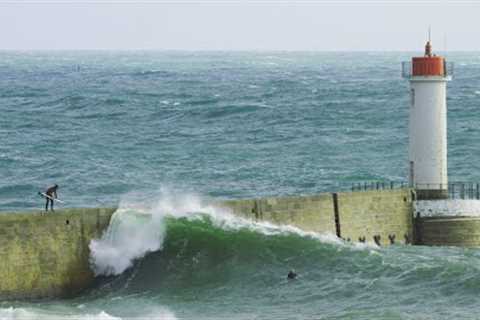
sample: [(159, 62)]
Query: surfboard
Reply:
[(47, 196)]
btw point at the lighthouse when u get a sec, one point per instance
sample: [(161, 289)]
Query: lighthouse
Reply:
[(427, 150)]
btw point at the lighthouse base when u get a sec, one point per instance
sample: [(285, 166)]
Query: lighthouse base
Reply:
[(431, 194)]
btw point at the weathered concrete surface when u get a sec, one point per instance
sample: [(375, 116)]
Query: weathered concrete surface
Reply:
[(383, 213), (309, 213), (448, 231), (366, 214), (47, 255)]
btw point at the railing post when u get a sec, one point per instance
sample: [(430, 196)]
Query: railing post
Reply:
[(455, 190)]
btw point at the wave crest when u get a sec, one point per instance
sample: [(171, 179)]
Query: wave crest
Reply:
[(140, 227)]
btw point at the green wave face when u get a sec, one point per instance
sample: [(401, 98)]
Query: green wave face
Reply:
[(205, 270), (198, 254)]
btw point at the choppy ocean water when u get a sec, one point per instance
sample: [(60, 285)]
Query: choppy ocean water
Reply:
[(118, 127)]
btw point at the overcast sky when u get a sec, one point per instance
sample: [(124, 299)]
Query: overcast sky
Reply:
[(239, 25)]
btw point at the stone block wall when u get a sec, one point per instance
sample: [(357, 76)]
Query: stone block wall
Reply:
[(383, 214), (47, 255), (448, 231), (309, 213), (350, 215)]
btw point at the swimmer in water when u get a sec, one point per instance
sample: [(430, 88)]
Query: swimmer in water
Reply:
[(291, 275)]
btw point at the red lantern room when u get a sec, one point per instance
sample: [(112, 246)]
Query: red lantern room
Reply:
[(428, 65)]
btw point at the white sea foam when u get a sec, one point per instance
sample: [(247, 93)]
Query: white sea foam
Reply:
[(138, 228), (41, 314), (159, 313), (37, 314)]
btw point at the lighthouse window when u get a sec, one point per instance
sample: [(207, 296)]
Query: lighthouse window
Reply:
[(412, 97)]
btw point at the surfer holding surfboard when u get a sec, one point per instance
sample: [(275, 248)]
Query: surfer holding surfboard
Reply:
[(50, 195)]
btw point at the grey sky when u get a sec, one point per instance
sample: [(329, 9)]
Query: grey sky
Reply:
[(239, 25)]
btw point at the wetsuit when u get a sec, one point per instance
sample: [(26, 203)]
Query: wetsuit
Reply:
[(51, 192)]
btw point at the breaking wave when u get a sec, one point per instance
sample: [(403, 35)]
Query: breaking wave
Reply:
[(140, 227)]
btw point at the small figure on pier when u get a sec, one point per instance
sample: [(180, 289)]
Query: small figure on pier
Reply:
[(50, 195)]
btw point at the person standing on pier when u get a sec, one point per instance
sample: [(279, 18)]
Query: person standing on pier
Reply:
[(51, 194)]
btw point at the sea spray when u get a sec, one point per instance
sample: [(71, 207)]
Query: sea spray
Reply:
[(129, 236), (12, 313), (135, 229), (138, 228), (37, 314)]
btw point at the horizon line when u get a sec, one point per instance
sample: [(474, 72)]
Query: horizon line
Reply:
[(233, 50)]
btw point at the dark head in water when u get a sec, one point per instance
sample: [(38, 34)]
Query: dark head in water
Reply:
[(291, 274)]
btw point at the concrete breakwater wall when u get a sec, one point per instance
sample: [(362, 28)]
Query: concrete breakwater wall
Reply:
[(48, 255), (448, 231), (382, 216)]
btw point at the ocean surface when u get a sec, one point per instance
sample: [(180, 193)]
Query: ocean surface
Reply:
[(160, 134)]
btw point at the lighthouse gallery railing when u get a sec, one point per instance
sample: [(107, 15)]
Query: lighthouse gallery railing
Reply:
[(407, 69)]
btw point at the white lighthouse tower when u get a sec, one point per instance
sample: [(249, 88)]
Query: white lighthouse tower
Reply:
[(428, 76)]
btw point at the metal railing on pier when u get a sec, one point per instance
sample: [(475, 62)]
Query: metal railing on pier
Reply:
[(464, 190), (456, 190), (378, 185)]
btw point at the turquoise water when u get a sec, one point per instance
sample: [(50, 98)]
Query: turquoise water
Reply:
[(109, 127)]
